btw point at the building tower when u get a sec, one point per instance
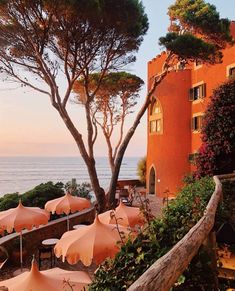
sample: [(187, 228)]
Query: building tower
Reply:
[(175, 118)]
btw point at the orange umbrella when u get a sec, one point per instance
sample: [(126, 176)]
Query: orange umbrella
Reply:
[(67, 204), (125, 215), (22, 217), (96, 241), (53, 280)]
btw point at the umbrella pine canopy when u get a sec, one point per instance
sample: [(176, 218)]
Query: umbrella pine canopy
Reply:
[(94, 242)]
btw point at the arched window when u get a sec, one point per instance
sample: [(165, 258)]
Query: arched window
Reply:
[(156, 118)]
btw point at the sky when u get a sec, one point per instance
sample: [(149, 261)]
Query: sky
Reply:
[(29, 126)]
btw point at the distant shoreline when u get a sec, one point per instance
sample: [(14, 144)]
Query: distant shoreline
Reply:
[(21, 174)]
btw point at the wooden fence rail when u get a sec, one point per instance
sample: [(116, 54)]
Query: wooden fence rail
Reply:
[(162, 275)]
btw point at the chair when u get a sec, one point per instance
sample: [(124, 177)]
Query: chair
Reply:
[(124, 196), (45, 253)]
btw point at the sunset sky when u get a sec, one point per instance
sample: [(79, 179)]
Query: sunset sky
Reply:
[(29, 126)]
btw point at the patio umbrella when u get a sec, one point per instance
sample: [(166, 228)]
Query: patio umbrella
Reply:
[(66, 204), (125, 215), (94, 242), (54, 280), (22, 217)]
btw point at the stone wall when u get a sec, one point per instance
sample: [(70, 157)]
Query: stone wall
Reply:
[(32, 239)]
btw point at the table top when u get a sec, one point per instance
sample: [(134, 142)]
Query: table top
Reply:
[(50, 241), (77, 226)]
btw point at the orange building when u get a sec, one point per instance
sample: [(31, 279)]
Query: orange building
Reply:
[(175, 116)]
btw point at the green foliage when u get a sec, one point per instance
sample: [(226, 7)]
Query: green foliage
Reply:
[(196, 32), (202, 18), (199, 275), (157, 239), (42, 193), (9, 201), (141, 170), (112, 87), (217, 152), (225, 210), (87, 27), (81, 190), (37, 197), (190, 47)]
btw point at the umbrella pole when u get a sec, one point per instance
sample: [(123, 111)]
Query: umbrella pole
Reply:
[(21, 251), (67, 222)]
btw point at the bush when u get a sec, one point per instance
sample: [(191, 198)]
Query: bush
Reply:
[(37, 197), (157, 239), (141, 170), (81, 190), (42, 193), (217, 152), (9, 201)]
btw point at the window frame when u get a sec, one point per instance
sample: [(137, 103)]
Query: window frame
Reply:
[(192, 157), (196, 122), (156, 118), (230, 68), (201, 89)]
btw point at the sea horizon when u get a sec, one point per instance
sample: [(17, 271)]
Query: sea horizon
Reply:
[(22, 173)]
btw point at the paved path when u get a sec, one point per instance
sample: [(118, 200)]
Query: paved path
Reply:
[(155, 204)]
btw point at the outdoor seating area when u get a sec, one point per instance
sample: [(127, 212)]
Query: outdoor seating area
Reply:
[(56, 252)]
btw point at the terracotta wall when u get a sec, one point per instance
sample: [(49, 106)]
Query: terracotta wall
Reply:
[(213, 76), (168, 152)]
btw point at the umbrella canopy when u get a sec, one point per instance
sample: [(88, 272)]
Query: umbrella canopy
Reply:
[(53, 280), (94, 242), (22, 217), (67, 204), (125, 215)]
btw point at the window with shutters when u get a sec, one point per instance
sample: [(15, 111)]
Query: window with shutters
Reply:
[(156, 118), (197, 92), (197, 122), (230, 71), (198, 63)]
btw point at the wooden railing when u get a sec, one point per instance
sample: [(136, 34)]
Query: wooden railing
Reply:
[(162, 275)]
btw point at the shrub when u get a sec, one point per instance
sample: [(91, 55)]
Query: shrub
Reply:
[(36, 197), (157, 239), (42, 193), (217, 152), (9, 201), (141, 170), (81, 190)]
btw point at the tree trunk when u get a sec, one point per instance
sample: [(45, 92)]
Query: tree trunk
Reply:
[(89, 161), (121, 152), (130, 133), (98, 190)]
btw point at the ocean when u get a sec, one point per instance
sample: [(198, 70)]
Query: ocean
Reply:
[(20, 174)]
